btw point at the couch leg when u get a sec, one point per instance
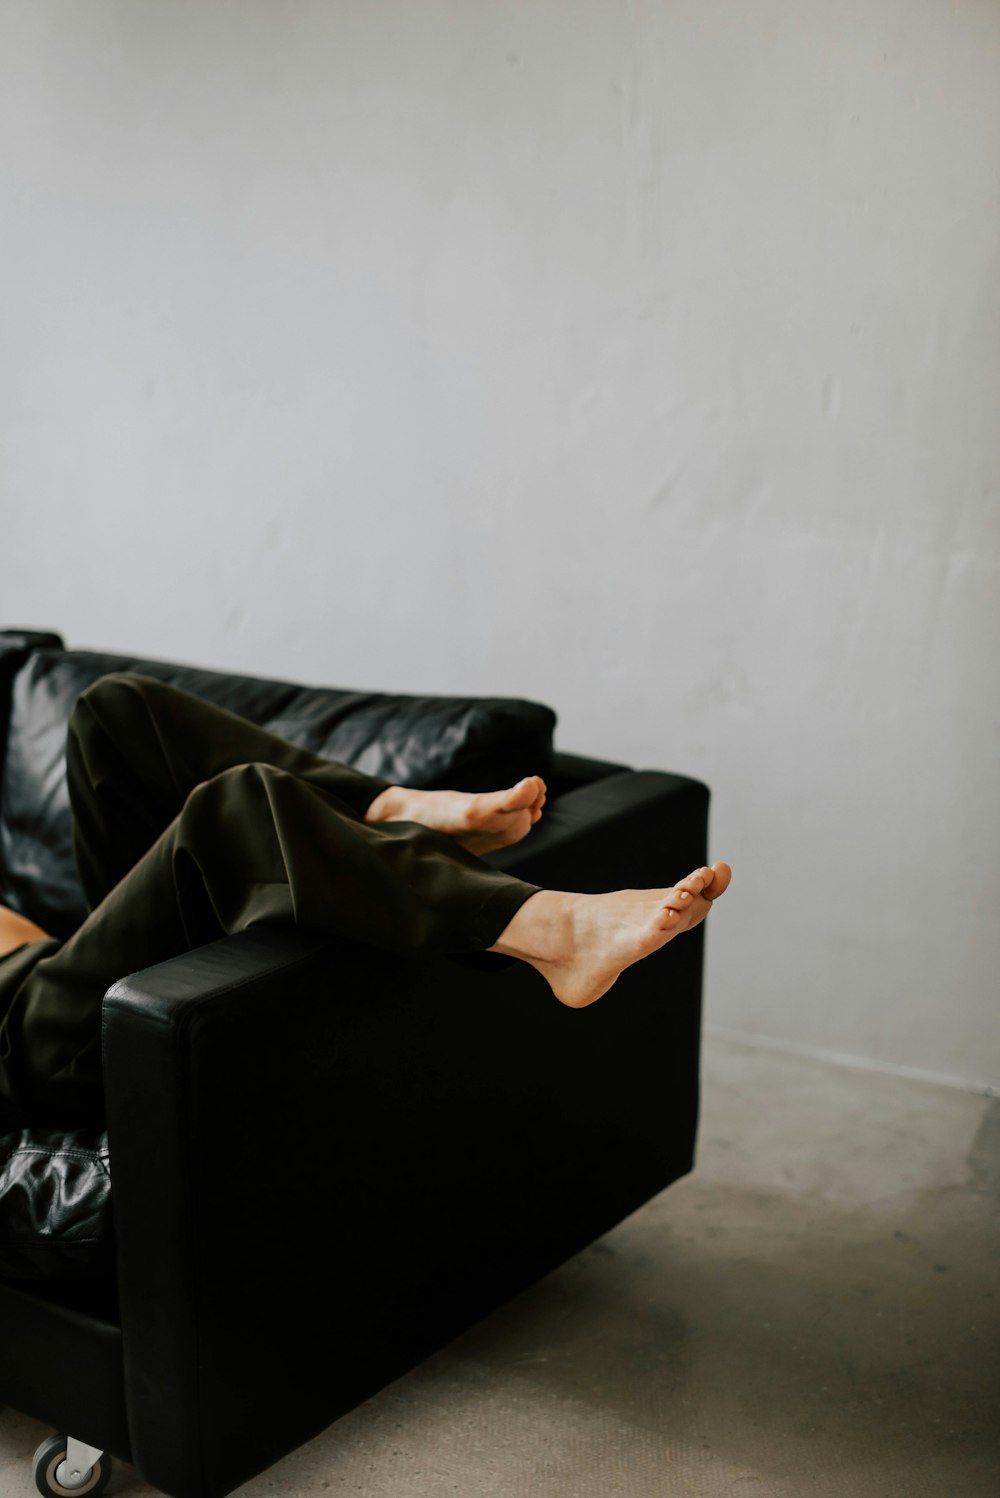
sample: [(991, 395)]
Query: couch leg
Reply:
[(64, 1467)]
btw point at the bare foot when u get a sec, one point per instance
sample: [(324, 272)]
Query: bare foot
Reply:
[(479, 821), (582, 943)]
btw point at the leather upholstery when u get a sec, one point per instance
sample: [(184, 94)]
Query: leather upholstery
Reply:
[(467, 743), (55, 1203)]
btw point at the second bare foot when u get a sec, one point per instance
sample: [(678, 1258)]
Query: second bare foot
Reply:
[(480, 821)]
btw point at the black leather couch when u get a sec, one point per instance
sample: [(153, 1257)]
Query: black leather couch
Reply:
[(298, 1222)]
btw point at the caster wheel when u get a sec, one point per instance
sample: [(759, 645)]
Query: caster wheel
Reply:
[(47, 1467)]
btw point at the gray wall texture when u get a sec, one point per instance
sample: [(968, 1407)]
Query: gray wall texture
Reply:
[(641, 358)]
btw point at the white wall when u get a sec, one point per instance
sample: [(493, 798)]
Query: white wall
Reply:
[(641, 358)]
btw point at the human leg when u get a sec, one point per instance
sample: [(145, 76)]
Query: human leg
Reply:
[(255, 843), (136, 747)]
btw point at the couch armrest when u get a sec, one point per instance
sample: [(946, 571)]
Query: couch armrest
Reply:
[(569, 771), (636, 829), (327, 1160), (161, 1040)]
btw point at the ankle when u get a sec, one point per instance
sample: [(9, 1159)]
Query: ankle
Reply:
[(541, 930)]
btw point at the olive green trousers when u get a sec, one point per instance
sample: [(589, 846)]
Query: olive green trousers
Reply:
[(189, 822)]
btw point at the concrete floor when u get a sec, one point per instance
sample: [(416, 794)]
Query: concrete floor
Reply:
[(812, 1314)]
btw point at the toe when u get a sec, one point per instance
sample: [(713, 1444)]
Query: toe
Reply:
[(522, 795), (677, 899), (717, 885), (538, 793), (489, 807)]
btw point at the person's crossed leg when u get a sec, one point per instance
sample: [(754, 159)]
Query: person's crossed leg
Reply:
[(581, 944), (191, 822)]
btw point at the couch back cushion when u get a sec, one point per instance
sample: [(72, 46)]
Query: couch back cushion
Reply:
[(469, 743)]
